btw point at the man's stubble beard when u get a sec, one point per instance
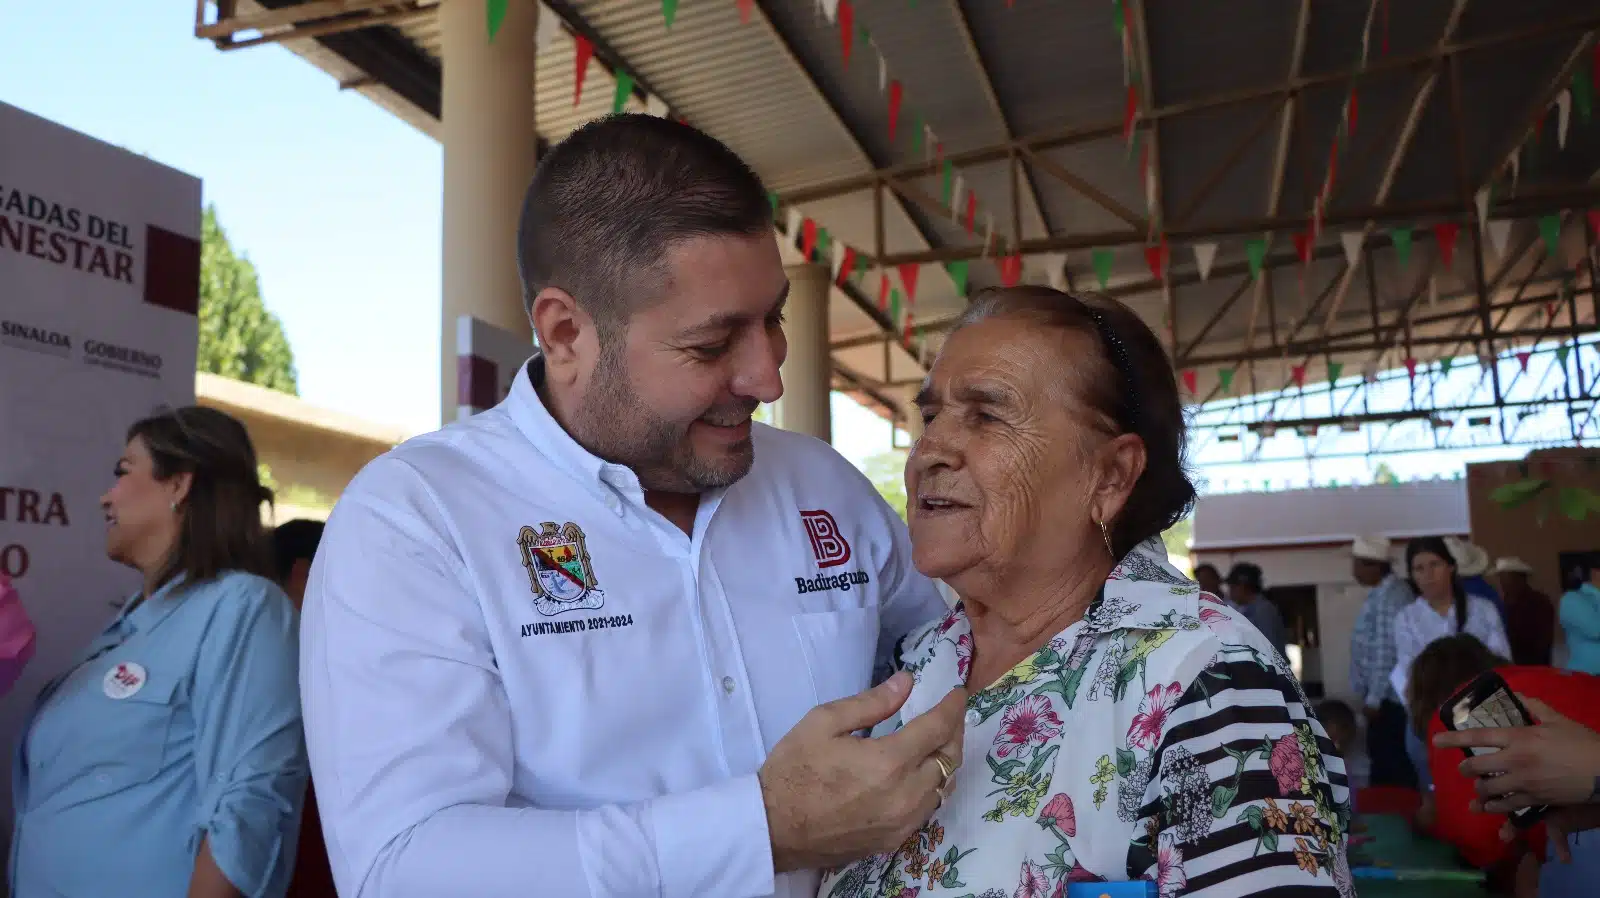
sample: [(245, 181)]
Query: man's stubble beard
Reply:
[(615, 424)]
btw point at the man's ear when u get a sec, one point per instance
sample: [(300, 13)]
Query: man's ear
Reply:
[(566, 333), (1119, 464)]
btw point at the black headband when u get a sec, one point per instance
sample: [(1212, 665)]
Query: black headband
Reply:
[(1117, 352)]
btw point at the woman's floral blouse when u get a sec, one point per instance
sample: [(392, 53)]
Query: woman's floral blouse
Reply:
[(1161, 737)]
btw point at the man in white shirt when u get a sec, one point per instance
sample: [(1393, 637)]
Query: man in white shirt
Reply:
[(576, 644)]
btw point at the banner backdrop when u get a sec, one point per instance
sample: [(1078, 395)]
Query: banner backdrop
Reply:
[(488, 359), (99, 286)]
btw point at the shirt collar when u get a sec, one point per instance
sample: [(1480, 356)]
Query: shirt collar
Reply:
[(533, 419)]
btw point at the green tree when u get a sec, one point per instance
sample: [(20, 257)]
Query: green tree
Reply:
[(1385, 475), (887, 471), (1177, 539), (239, 338)]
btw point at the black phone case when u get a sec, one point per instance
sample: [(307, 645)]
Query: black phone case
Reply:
[(1475, 694)]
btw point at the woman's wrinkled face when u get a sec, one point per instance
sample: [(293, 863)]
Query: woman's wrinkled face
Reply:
[(1003, 473), (1432, 574), (141, 522)]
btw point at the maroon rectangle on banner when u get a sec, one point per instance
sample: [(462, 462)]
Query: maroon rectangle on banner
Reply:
[(171, 270), (476, 382)]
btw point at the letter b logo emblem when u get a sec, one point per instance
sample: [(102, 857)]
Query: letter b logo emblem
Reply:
[(827, 543)]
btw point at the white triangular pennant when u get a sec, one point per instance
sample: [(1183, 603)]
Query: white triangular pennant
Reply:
[(1352, 247), (929, 141), (794, 224), (838, 257), (1485, 359), (955, 197), (1563, 117), (830, 8), (988, 232), (1482, 199), (656, 106), (1499, 233), (1369, 372), (548, 26), (1204, 255), (1150, 186), (1516, 166), (1056, 267), (883, 71)]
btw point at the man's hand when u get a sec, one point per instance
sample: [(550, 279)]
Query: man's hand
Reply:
[(1553, 763), (833, 797)]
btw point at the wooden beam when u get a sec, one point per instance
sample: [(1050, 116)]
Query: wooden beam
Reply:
[(1089, 191), (324, 28), (228, 24)]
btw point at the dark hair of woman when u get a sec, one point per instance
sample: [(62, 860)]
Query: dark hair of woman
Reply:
[(1435, 545), (1443, 667), (221, 529), (1134, 391)]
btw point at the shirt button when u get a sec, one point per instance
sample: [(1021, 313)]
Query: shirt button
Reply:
[(974, 718), (728, 685)]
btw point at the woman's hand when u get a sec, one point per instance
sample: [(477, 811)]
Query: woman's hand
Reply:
[(1554, 763)]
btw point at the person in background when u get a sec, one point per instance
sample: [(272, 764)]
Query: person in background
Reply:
[(1209, 578), (1247, 594), (295, 545), (17, 636), (1472, 566), (169, 760), (1530, 615), (1580, 621), (1372, 659), (1343, 729), (1441, 608)]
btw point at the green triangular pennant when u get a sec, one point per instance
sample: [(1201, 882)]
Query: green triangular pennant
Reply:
[(1256, 251), (1583, 92), (1550, 230), (1401, 237), (1118, 18), (669, 10), (772, 200), (861, 264), (1334, 370), (624, 91), (949, 181), (1445, 363), (1102, 266), (824, 245), (958, 273), (1561, 355), (1225, 378), (496, 11), (894, 305)]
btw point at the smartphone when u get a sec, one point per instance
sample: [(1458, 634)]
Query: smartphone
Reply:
[(1489, 702)]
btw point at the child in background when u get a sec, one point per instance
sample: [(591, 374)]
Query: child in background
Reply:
[(1339, 720)]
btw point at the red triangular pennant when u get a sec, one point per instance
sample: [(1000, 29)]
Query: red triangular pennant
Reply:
[(847, 266), (883, 292), (1011, 270), (1156, 258), (808, 238), (1594, 214), (1191, 381), (1298, 374), (582, 51), (1522, 359), (894, 108), (908, 277), (1446, 232), (1302, 246), (1411, 368), (745, 8), (847, 27)]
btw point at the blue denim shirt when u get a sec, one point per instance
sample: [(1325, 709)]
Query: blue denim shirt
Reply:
[(180, 722)]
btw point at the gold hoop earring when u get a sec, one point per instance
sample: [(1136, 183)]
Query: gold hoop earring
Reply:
[(1105, 534)]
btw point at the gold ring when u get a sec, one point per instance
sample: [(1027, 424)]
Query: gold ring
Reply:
[(947, 770)]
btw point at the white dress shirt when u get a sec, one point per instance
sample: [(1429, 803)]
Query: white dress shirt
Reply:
[(1417, 626), (520, 680)]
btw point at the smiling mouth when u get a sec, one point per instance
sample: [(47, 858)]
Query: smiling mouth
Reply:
[(934, 505)]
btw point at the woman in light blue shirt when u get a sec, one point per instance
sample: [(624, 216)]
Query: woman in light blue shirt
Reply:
[(1580, 620), (170, 760)]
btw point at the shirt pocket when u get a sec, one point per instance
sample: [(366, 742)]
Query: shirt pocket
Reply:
[(840, 648), (130, 742)]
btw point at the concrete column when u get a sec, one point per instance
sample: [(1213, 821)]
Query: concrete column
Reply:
[(490, 150), (808, 371), (913, 416)]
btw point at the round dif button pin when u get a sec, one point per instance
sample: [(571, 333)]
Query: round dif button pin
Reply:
[(727, 685)]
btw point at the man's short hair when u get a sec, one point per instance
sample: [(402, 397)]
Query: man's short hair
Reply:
[(294, 540), (606, 202)]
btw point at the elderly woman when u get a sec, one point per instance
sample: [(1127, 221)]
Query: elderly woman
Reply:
[(1121, 724), (169, 759)]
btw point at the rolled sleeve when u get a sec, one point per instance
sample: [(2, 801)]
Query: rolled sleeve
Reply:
[(250, 754), (422, 804)]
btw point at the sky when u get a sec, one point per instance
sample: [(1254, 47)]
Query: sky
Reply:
[(336, 201)]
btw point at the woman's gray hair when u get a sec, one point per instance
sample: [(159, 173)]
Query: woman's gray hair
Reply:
[(1140, 397)]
